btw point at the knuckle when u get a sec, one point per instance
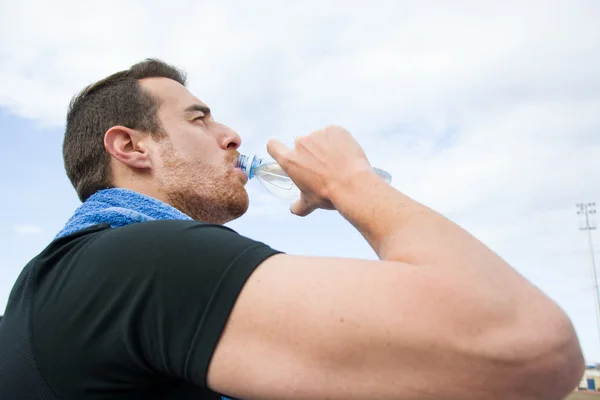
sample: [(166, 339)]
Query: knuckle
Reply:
[(301, 141)]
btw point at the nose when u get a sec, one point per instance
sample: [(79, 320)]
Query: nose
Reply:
[(227, 138)]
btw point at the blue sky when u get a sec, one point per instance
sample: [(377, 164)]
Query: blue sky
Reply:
[(485, 111)]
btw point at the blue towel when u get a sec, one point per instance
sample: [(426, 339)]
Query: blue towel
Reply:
[(120, 207)]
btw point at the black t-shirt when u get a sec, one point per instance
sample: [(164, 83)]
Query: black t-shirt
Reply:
[(127, 313)]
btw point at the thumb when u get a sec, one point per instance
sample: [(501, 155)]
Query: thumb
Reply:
[(301, 207), (276, 149)]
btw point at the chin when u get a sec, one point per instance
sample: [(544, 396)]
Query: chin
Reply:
[(237, 208)]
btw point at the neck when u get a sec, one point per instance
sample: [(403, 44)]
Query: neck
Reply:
[(143, 186)]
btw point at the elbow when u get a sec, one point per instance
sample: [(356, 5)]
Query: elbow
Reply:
[(547, 357), (560, 365)]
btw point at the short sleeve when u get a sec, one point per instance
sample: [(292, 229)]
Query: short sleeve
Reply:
[(154, 298), (196, 272)]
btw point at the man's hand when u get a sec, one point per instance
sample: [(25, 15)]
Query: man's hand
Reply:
[(319, 164)]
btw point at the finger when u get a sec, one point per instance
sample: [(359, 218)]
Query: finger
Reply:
[(301, 208), (276, 149)]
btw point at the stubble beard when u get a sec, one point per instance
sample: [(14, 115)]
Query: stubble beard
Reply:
[(205, 193)]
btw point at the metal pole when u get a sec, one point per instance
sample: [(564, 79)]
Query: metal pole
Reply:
[(587, 209), (595, 281)]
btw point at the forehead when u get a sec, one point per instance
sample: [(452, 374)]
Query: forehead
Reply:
[(173, 95)]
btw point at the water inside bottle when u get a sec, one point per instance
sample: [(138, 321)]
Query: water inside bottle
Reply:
[(276, 181), (275, 175)]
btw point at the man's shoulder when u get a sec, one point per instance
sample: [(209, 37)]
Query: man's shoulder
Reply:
[(181, 249), (126, 288)]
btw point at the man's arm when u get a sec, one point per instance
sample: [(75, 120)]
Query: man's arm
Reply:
[(439, 316)]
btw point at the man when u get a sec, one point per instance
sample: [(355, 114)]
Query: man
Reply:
[(145, 294)]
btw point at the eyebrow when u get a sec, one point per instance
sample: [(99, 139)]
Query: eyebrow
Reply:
[(198, 108)]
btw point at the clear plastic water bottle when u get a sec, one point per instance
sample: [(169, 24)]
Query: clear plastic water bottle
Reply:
[(274, 178)]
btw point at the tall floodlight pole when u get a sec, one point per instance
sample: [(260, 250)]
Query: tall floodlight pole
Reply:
[(587, 211)]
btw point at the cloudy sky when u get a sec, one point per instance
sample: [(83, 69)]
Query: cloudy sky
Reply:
[(486, 111)]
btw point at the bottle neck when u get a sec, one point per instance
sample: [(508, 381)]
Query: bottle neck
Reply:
[(248, 164)]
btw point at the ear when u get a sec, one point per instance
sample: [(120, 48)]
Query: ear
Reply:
[(129, 146)]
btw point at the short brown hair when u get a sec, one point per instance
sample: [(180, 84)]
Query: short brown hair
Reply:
[(116, 100)]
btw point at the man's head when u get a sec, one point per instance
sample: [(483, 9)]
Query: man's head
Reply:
[(141, 129)]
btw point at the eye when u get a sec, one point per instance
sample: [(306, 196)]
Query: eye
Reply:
[(200, 118)]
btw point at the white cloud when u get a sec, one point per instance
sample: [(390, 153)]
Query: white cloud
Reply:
[(27, 229), (486, 111)]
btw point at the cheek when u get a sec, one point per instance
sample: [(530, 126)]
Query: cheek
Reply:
[(192, 144), (192, 149)]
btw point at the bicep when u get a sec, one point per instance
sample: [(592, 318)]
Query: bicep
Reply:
[(309, 328)]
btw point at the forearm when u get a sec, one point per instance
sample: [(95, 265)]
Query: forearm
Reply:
[(488, 295), (399, 228), (513, 319)]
